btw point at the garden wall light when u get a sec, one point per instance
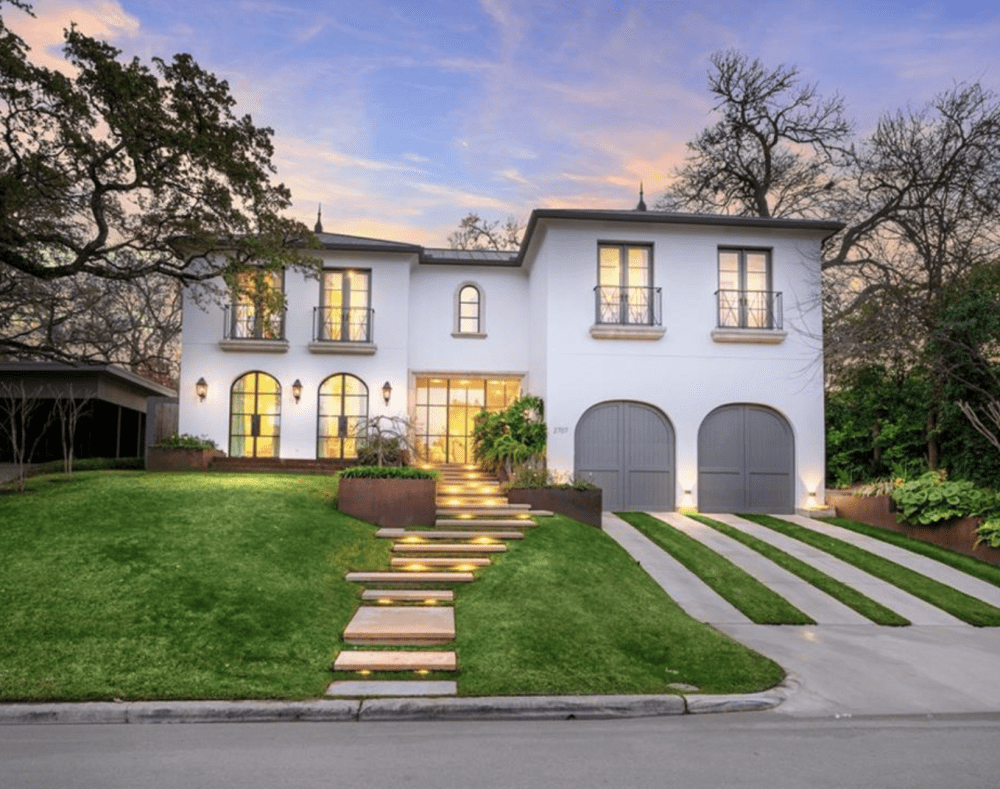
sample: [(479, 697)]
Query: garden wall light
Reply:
[(201, 389), (297, 390), (386, 392)]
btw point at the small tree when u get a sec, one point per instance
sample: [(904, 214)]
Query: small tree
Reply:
[(68, 409), (22, 424), (386, 441)]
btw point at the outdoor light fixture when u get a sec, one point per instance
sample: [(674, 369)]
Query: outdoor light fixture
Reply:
[(386, 392), (201, 388), (297, 390)]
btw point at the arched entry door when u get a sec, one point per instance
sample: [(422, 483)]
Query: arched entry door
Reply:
[(255, 416), (746, 461), (627, 449)]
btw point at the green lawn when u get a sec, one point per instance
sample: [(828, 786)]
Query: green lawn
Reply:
[(954, 602), (838, 590), (756, 601), (133, 585)]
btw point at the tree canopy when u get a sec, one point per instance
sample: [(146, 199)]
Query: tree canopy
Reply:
[(128, 174)]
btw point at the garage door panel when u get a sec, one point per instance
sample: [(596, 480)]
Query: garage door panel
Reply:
[(598, 440), (768, 493), (649, 445), (768, 440), (610, 484), (719, 442), (645, 489)]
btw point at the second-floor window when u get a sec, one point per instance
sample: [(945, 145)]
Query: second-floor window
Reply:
[(257, 311), (625, 293), (745, 298), (345, 314), (469, 310)]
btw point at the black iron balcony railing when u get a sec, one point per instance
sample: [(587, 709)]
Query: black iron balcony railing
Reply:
[(250, 322), (337, 324), (748, 309), (628, 306)]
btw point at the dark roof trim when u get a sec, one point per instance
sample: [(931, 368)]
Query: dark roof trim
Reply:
[(83, 368), (339, 241)]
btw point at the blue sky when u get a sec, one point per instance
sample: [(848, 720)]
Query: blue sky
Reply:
[(401, 116)]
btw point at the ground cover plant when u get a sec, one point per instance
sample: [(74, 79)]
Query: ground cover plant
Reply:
[(567, 611), (133, 585), (755, 600), (954, 602), (838, 590), (970, 565)]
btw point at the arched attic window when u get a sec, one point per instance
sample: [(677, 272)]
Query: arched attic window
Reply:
[(469, 311)]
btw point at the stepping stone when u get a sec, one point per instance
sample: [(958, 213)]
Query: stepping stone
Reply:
[(441, 534), (401, 626), (449, 547), (420, 563), (500, 508), (392, 688), (483, 523), (383, 577), (409, 595), (386, 660)]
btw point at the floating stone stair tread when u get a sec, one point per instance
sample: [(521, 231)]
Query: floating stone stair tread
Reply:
[(441, 534), (460, 547), (483, 523), (438, 561), (383, 577), (395, 660), (448, 508), (401, 625), (409, 595)]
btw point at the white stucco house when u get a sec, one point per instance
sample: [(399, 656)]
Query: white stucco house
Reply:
[(679, 356)]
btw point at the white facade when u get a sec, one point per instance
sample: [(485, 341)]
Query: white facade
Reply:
[(541, 322)]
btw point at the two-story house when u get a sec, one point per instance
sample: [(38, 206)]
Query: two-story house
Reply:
[(679, 356)]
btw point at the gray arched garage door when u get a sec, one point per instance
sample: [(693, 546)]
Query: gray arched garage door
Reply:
[(746, 461), (627, 449)]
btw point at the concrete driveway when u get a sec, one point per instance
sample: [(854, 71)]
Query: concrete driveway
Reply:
[(937, 665)]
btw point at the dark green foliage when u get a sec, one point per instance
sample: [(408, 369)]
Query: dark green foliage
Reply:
[(537, 478), (388, 472), (185, 441), (933, 498), (511, 438)]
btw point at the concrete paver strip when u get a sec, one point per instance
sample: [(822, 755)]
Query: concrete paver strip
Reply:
[(818, 605), (409, 595), (892, 597), (686, 589), (394, 660), (924, 565), (375, 687)]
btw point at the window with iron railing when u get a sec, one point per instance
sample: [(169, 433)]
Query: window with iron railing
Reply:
[(253, 322), (745, 299), (343, 324), (625, 295)]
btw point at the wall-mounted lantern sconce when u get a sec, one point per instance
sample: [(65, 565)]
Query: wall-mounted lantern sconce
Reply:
[(386, 392), (201, 388), (297, 390)]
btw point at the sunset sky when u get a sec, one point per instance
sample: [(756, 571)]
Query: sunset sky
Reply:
[(401, 116)]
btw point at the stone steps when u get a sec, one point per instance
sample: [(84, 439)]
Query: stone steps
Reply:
[(394, 660), (384, 577), (429, 596), (421, 563), (448, 547), (484, 523), (401, 626), (441, 534)]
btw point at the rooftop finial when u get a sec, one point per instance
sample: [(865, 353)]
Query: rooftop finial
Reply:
[(642, 203), (319, 219)]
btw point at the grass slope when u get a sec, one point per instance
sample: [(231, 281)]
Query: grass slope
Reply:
[(567, 611), (838, 590), (958, 604), (755, 600), (133, 585)]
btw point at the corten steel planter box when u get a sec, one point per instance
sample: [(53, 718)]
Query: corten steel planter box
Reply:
[(581, 505), (958, 535), (390, 502), (180, 459)]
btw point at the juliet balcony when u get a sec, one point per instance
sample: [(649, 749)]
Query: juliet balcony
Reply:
[(749, 316), (344, 330), (629, 313), (247, 327)]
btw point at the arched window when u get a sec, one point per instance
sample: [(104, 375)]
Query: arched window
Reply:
[(255, 416), (343, 414), (469, 311)]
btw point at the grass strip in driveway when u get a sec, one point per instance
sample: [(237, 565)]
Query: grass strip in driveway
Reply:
[(969, 565), (568, 611), (755, 600), (958, 604), (852, 598)]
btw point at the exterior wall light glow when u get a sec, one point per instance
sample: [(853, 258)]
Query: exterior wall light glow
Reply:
[(201, 388), (297, 390), (386, 392)]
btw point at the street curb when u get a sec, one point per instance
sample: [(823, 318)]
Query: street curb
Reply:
[(394, 709)]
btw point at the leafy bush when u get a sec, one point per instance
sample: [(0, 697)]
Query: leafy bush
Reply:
[(388, 472), (391, 450), (933, 498), (534, 478), (989, 532), (511, 438), (185, 441), (89, 464), (879, 487)]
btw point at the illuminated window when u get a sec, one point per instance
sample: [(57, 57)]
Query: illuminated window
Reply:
[(343, 416), (257, 311), (625, 295), (745, 298), (345, 314), (469, 308)]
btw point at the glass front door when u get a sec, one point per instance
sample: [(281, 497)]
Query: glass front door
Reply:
[(255, 416), (446, 412)]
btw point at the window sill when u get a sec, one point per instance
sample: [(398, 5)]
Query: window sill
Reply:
[(614, 331), (469, 335), (760, 336), (350, 348), (255, 346)]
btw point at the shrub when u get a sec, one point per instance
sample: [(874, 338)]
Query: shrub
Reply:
[(989, 532), (511, 438), (933, 498), (388, 472), (533, 478), (185, 441)]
